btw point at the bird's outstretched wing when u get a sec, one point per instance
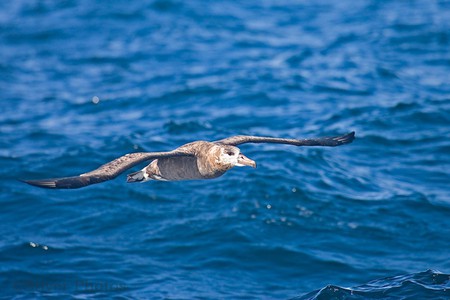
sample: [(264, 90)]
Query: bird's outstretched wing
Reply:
[(105, 172), (321, 141)]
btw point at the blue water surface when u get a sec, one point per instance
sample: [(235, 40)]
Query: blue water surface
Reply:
[(83, 82)]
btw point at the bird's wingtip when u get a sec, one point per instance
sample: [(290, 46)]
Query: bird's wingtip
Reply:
[(344, 139), (44, 183), (74, 182), (351, 135)]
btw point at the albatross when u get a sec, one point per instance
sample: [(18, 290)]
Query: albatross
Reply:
[(195, 160)]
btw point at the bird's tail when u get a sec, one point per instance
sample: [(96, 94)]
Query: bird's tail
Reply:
[(139, 176)]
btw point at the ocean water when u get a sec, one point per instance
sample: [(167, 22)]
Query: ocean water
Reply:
[(83, 82)]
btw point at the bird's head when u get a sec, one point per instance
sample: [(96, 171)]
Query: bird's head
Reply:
[(230, 156)]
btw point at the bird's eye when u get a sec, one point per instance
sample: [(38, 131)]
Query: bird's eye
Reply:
[(230, 153)]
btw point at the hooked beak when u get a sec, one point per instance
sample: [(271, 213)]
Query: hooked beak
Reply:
[(245, 161)]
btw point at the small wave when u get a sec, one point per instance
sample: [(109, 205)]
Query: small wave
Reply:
[(429, 284)]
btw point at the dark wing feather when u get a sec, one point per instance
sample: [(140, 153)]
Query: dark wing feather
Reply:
[(322, 141), (105, 172)]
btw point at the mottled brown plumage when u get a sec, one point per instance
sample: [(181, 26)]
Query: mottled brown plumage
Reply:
[(204, 164), (196, 160)]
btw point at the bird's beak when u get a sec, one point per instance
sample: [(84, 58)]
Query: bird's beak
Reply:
[(245, 161)]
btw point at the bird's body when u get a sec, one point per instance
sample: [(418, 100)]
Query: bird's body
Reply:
[(170, 169), (202, 165), (196, 160)]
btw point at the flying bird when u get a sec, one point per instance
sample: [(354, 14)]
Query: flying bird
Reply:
[(196, 160)]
